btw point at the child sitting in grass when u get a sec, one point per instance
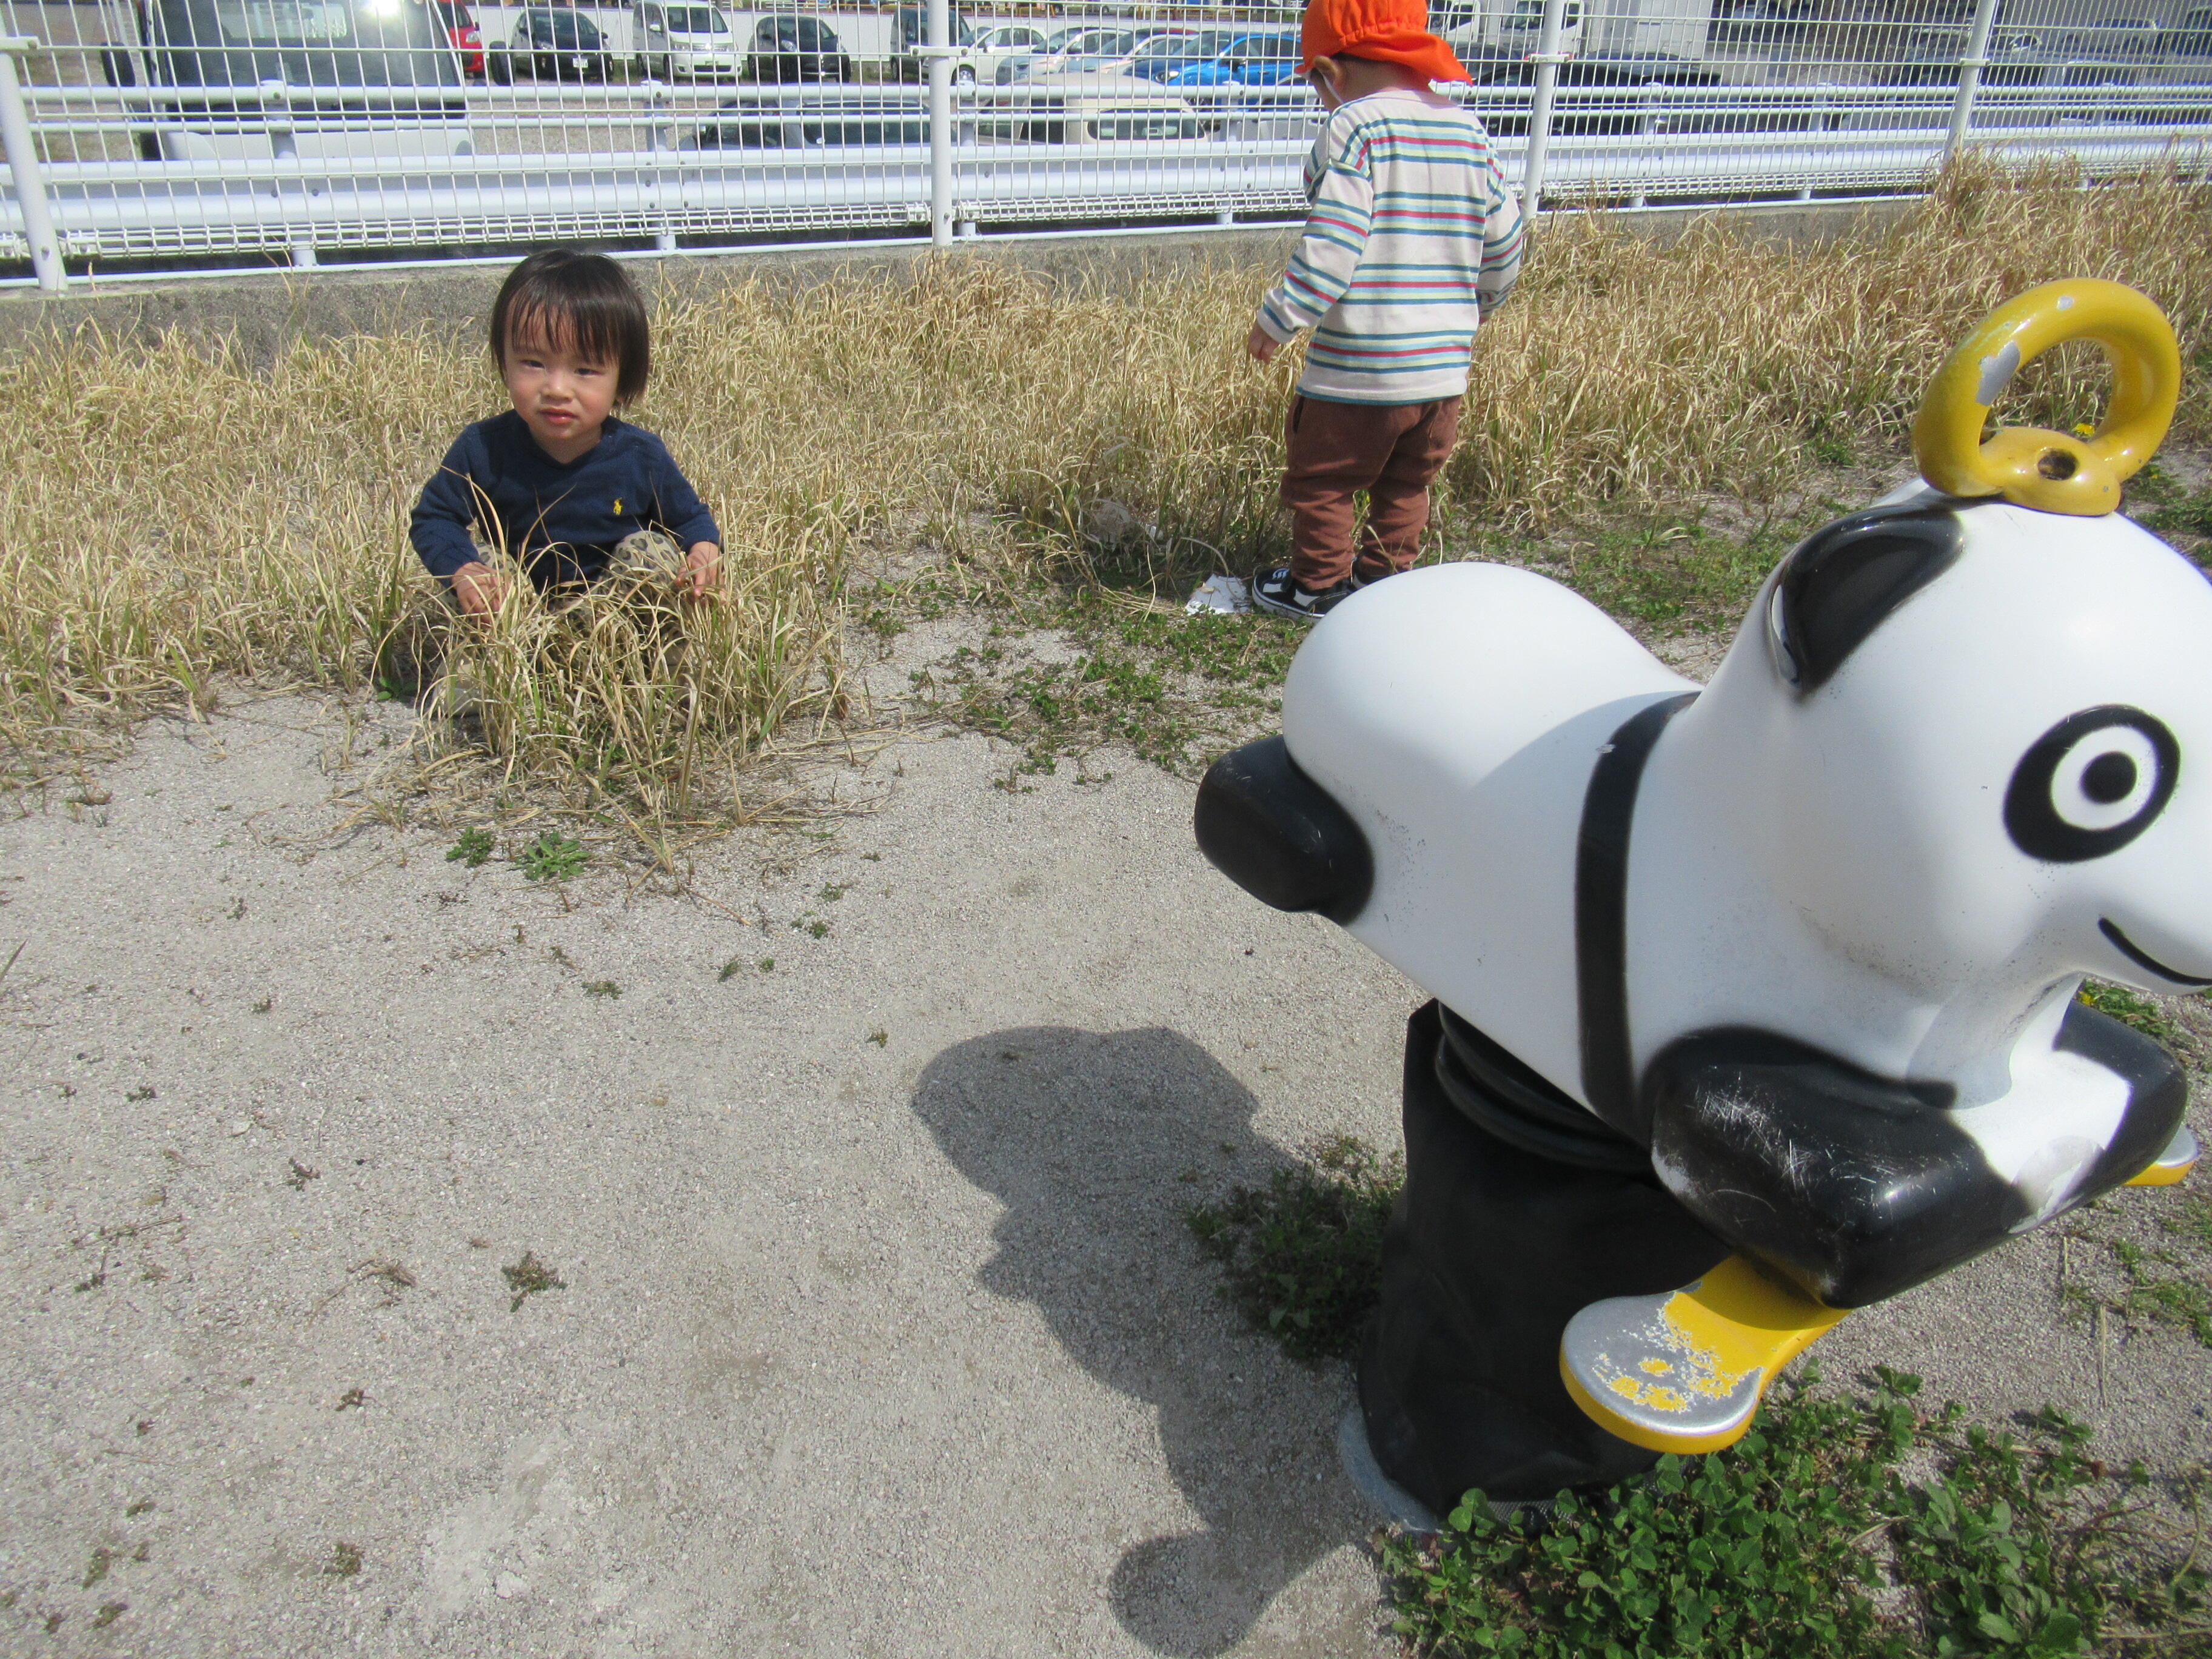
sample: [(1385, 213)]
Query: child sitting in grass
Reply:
[(559, 483), (1412, 241)]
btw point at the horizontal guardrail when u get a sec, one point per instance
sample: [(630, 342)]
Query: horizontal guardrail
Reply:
[(58, 109), (477, 166), (112, 209)]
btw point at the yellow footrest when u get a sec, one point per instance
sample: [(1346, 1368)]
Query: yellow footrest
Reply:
[(1685, 1370), (2172, 1165)]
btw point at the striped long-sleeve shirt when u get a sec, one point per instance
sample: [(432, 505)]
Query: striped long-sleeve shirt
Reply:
[(1412, 238)]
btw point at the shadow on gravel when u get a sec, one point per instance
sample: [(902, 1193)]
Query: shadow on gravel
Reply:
[(1088, 1140)]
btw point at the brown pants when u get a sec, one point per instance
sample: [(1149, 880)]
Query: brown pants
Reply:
[(1389, 450)]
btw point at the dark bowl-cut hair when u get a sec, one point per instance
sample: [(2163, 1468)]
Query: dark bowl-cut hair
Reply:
[(585, 301)]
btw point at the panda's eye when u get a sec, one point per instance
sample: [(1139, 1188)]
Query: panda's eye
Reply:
[(2091, 784)]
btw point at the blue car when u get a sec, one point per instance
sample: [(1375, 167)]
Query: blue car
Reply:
[(1248, 60), (1163, 55)]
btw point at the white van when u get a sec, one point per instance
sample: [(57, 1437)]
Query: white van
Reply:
[(688, 42), (1511, 28), (258, 80)]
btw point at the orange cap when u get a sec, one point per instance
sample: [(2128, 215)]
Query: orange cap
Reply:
[(1388, 31)]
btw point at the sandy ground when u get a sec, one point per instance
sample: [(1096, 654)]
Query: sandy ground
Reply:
[(878, 1329)]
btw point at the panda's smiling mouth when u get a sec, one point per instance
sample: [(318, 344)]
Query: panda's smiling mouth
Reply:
[(2135, 953)]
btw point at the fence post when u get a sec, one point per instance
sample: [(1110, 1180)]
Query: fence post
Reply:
[(1546, 57), (940, 126), (23, 163), (656, 101), (1970, 75)]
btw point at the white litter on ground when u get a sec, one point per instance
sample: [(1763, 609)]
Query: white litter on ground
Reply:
[(1226, 594)]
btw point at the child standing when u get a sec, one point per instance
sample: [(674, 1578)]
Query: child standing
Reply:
[(558, 481), (1412, 239)]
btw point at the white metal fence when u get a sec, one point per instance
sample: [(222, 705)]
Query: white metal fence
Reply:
[(237, 131)]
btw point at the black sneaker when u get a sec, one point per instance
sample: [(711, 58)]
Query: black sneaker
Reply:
[(1278, 591), (1360, 581)]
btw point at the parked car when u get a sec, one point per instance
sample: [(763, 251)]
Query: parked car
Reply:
[(1929, 57), (1091, 40), (1601, 96), (2194, 38), (1065, 64), (1001, 38), (1125, 62), (1067, 68), (2017, 57), (796, 51), (1250, 60), (551, 43), (1527, 17), (1083, 41), (910, 29), (1157, 58), (360, 78), (688, 42), (2131, 39), (461, 30), (1761, 22), (1087, 107), (834, 119)]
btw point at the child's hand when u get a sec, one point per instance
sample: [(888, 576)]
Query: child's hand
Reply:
[(1261, 344), (701, 567), (479, 588)]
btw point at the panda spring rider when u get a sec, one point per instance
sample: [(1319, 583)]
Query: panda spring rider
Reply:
[(1784, 969)]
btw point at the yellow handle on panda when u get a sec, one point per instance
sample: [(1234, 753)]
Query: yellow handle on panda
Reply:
[(2051, 472)]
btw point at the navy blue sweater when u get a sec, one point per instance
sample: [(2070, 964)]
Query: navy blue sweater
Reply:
[(561, 521)]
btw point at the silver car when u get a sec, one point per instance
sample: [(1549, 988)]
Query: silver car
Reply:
[(688, 42)]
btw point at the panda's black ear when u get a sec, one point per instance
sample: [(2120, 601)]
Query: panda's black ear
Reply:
[(1844, 581)]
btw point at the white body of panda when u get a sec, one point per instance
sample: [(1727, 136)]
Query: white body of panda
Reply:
[(1959, 759)]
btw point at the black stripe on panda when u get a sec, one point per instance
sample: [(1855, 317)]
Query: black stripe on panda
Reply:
[(1601, 915), (1830, 595)]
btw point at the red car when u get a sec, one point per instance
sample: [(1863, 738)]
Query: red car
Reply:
[(461, 30)]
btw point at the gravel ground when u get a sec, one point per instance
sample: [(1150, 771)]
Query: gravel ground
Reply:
[(877, 1330)]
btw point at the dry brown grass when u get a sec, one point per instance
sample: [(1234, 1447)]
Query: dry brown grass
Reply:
[(171, 516), (1623, 370)]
